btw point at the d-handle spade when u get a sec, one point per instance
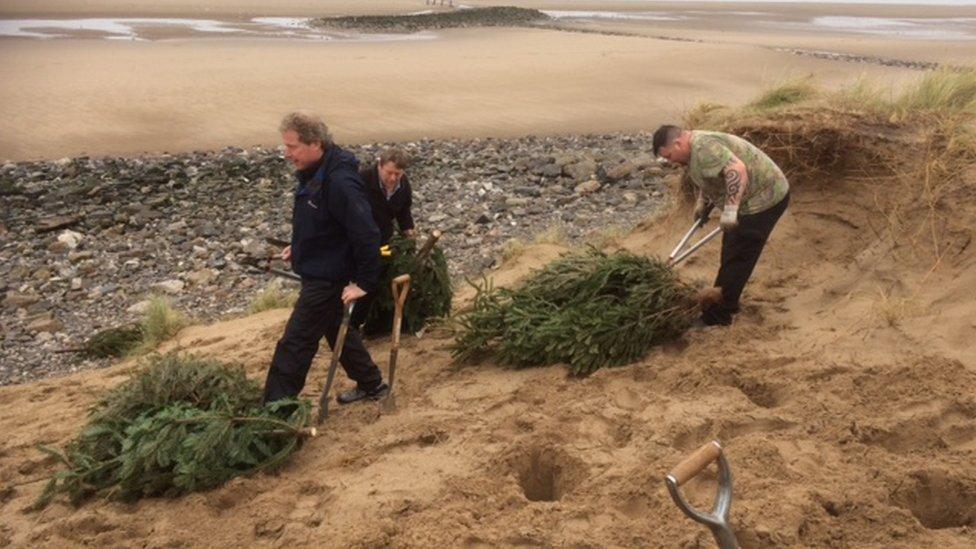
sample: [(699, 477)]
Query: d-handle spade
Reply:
[(336, 353), (718, 520), (400, 288)]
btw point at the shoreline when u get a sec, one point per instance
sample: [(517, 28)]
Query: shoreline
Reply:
[(312, 8)]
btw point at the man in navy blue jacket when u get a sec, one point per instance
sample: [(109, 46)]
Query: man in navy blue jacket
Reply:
[(335, 249)]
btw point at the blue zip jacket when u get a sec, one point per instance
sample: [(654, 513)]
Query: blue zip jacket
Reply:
[(333, 236)]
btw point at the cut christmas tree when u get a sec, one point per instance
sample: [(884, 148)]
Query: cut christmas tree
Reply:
[(430, 288), (178, 425), (586, 309)]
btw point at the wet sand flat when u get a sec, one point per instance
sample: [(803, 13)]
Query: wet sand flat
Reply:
[(67, 97)]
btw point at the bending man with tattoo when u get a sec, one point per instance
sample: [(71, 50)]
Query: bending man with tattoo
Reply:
[(752, 190)]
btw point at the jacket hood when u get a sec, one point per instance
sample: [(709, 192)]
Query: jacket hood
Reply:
[(337, 158)]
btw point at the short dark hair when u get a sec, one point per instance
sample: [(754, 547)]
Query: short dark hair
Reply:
[(664, 136), (396, 155)]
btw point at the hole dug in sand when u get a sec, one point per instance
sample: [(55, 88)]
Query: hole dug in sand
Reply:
[(547, 474), (938, 500)]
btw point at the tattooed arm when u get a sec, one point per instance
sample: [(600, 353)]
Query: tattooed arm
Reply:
[(736, 182)]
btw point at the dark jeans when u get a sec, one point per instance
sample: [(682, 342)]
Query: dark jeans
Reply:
[(741, 249), (317, 313)]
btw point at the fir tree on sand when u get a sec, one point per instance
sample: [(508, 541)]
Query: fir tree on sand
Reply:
[(178, 425), (586, 309)]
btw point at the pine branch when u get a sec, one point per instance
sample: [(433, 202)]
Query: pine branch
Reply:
[(178, 425)]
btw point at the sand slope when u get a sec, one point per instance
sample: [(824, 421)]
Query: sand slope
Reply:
[(845, 396)]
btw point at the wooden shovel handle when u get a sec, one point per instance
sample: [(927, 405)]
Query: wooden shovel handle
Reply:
[(693, 464), (435, 235), (400, 288)]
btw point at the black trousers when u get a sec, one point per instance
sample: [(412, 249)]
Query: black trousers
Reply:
[(317, 313), (741, 249)]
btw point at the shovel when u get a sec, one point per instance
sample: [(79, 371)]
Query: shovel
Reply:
[(677, 256), (425, 250), (336, 353), (718, 520), (400, 288)]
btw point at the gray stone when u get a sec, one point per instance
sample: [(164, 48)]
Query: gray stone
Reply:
[(171, 286), (45, 323), (550, 170), (207, 230), (76, 257), (588, 187), (54, 223), (620, 171), (581, 170), (16, 300), (254, 247), (202, 277), (139, 308), (564, 159)]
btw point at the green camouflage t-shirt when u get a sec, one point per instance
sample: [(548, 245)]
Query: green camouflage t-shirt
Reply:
[(712, 151)]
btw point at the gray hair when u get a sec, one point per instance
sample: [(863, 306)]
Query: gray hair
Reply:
[(309, 127)]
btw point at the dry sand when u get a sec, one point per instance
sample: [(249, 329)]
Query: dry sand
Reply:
[(844, 395)]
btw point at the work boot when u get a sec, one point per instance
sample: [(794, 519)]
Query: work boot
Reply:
[(352, 395)]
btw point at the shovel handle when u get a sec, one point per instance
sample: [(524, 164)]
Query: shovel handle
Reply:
[(695, 463), (435, 235), (400, 288)]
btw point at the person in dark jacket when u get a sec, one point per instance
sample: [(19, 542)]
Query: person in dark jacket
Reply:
[(390, 194), (390, 197), (335, 249)]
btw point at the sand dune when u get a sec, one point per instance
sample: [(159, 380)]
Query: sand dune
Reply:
[(847, 422)]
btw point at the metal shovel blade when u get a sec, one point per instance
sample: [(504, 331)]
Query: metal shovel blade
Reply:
[(717, 520)]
